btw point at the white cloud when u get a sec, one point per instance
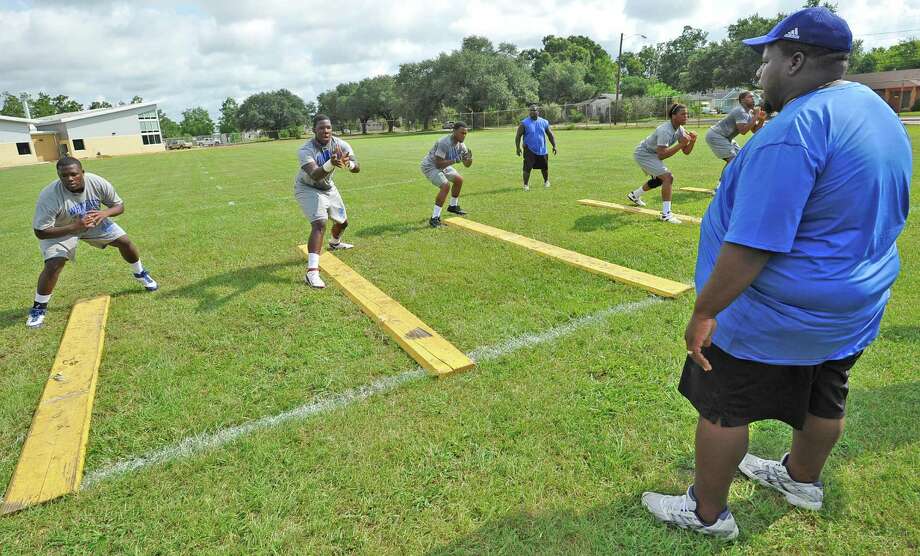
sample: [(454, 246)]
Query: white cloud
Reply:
[(198, 52)]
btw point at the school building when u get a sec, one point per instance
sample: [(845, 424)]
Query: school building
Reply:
[(129, 129)]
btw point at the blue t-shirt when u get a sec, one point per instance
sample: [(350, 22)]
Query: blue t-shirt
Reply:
[(825, 186), (535, 134)]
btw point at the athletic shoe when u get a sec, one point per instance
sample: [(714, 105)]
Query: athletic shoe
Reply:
[(670, 218), (147, 281), (635, 200), (546, 184), (526, 187), (313, 279), (435, 222), (36, 317), (681, 512), (339, 245), (774, 474), (456, 210)]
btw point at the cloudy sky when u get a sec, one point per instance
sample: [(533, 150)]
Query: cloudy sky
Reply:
[(198, 52)]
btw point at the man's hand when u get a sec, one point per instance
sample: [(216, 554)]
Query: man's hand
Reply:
[(699, 335), (93, 218), (692, 136), (519, 151), (684, 140), (340, 159), (555, 152)]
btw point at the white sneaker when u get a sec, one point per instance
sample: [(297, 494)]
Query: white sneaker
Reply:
[(635, 200), (339, 245), (526, 187), (774, 474), (147, 281), (36, 317), (681, 512), (313, 279), (546, 184), (670, 218)]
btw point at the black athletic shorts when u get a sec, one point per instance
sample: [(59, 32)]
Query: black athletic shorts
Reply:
[(538, 161), (737, 392)]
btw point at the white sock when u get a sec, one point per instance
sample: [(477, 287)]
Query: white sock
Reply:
[(665, 207), (312, 260), (638, 192), (42, 298), (137, 267), (454, 201), (436, 213)]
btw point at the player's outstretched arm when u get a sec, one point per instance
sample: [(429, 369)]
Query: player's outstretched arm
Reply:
[(552, 139), (61, 231), (517, 138)]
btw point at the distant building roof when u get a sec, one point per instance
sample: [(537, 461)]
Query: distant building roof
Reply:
[(71, 116), (14, 119), (887, 79)]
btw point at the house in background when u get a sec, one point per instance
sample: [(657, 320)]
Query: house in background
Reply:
[(129, 129), (899, 88)]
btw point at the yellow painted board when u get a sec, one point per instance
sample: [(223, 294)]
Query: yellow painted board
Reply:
[(637, 210), (655, 284), (51, 464), (698, 190), (435, 354)]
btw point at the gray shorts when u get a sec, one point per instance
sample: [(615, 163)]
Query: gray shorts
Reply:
[(722, 146), (321, 205), (440, 178), (66, 246), (650, 163)]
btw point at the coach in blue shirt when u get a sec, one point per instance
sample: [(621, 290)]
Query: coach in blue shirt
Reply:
[(796, 259), (532, 129)]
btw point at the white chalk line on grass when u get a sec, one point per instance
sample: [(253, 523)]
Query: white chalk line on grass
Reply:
[(200, 443)]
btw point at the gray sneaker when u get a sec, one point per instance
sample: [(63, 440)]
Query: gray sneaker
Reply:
[(774, 474), (680, 511)]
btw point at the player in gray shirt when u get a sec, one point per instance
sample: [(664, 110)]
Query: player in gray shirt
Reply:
[(317, 195), (743, 118), (438, 168), (77, 206), (667, 139)]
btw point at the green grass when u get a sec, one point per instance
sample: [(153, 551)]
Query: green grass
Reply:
[(545, 450)]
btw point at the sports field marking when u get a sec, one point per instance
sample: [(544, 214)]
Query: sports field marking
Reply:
[(200, 443), (655, 284), (637, 210), (435, 354), (51, 464), (698, 190)]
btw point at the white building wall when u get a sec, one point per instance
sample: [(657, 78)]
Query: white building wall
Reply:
[(14, 132), (106, 125)]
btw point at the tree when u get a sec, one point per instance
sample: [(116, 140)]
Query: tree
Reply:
[(99, 104), (563, 82), (600, 70), (417, 88), (229, 116), (334, 102), (168, 127), (270, 111), (62, 103), (137, 100), (12, 106), (676, 52), (375, 96), (42, 106), (196, 121)]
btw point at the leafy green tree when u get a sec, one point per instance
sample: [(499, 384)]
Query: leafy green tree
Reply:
[(272, 111), (374, 96), (137, 100), (600, 70), (62, 103), (42, 105), (99, 104), (676, 52), (418, 86), (196, 121), (565, 82), (229, 116), (168, 127), (12, 106), (334, 103)]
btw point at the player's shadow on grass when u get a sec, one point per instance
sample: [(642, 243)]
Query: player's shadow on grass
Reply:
[(393, 230), (12, 317), (604, 221), (494, 191), (879, 422), (216, 291), (901, 333)]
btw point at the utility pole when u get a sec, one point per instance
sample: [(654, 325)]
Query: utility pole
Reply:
[(616, 108)]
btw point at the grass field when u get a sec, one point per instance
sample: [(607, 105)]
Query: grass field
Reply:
[(545, 447)]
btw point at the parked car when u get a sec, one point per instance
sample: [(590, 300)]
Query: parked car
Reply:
[(207, 142), (448, 125), (177, 144)]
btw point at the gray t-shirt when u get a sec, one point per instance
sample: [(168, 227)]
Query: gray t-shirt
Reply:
[(57, 206), (728, 126), (664, 136), (313, 151), (446, 148)]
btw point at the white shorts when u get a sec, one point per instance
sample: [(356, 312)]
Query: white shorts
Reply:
[(66, 246), (722, 146), (321, 205), (650, 163), (440, 178)]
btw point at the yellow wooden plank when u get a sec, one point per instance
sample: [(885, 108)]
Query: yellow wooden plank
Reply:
[(654, 284), (435, 354), (51, 464), (698, 190), (637, 210)]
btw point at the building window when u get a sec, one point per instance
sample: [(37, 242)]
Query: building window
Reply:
[(150, 128), (151, 138), (23, 148), (78, 145)]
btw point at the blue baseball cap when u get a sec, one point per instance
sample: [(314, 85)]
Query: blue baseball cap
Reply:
[(814, 26)]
